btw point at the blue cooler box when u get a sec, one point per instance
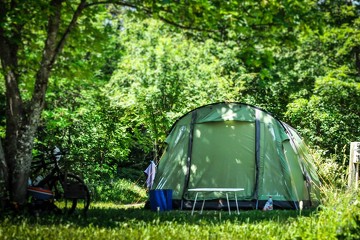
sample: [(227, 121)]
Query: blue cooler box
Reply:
[(40, 193), (161, 199)]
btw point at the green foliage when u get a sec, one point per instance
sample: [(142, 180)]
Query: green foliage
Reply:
[(80, 119), (97, 142), (332, 173), (89, 49), (164, 75), (340, 39), (257, 22), (120, 191), (157, 73), (319, 80), (329, 118)]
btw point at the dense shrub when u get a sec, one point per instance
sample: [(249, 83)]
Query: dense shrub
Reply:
[(121, 191), (331, 171)]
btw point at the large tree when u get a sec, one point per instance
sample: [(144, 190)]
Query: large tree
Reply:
[(33, 37), (21, 45)]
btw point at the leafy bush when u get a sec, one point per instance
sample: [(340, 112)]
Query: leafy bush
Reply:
[(330, 171), (328, 119), (121, 191)]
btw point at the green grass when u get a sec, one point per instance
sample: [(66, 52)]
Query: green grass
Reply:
[(108, 221), (337, 218), (113, 221)]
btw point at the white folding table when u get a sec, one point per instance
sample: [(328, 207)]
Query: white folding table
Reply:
[(224, 190)]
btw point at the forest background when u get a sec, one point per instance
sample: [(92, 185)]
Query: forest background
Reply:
[(125, 76)]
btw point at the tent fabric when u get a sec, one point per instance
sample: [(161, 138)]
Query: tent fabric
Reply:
[(235, 145)]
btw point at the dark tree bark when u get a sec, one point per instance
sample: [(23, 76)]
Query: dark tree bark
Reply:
[(357, 59), (3, 176)]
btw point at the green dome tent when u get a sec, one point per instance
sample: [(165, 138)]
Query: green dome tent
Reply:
[(235, 145)]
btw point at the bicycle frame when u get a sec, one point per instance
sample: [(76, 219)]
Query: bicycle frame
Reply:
[(64, 185)]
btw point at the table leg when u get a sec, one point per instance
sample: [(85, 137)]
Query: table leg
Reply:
[(237, 205), (202, 207), (192, 212), (227, 198)]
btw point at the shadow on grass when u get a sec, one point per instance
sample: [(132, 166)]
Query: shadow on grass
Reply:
[(114, 216)]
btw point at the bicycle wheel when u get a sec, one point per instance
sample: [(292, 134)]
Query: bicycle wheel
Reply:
[(70, 194)]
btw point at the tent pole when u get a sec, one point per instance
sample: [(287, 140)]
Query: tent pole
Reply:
[(257, 156), (189, 153)]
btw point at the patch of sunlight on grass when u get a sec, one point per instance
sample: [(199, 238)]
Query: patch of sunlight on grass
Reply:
[(107, 205)]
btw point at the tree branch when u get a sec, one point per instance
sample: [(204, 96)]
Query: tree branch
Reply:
[(8, 46), (52, 32), (53, 47), (151, 12), (125, 4), (71, 25), (9, 62)]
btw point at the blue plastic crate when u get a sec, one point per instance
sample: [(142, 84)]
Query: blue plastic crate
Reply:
[(161, 199)]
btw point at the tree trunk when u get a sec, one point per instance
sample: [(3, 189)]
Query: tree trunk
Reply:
[(22, 119), (19, 137), (357, 59), (3, 177)]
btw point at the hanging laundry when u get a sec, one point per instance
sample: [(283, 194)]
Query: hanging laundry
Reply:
[(150, 171)]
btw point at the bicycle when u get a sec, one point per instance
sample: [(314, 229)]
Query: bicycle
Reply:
[(57, 188)]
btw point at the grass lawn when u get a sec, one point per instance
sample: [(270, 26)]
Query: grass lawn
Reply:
[(111, 221)]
